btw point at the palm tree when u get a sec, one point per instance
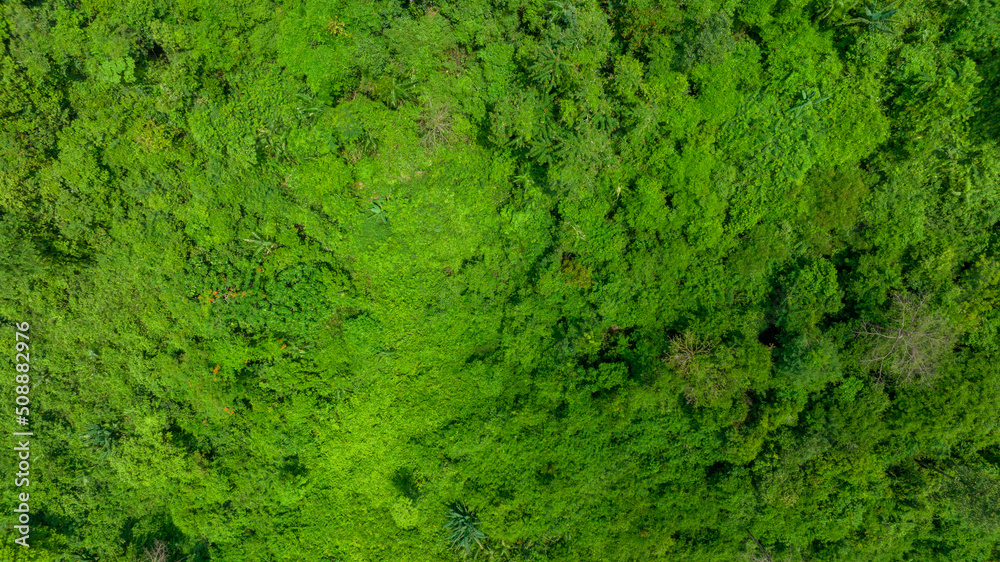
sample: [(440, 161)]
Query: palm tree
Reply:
[(877, 17), (462, 522)]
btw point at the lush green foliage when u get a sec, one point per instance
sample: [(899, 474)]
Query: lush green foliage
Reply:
[(638, 280)]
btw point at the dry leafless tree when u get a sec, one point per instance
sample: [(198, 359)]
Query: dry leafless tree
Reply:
[(691, 357), (157, 553), (435, 123), (909, 347), (685, 350), (160, 552)]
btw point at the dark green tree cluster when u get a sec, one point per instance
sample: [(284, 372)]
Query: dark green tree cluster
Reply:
[(524, 280)]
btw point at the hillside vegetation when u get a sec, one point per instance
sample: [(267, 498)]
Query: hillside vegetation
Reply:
[(411, 280)]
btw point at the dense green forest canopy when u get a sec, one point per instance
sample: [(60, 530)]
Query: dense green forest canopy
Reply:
[(524, 280)]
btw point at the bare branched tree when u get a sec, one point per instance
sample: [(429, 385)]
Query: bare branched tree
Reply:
[(909, 348), (157, 553), (160, 552), (435, 123), (691, 358), (685, 350)]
